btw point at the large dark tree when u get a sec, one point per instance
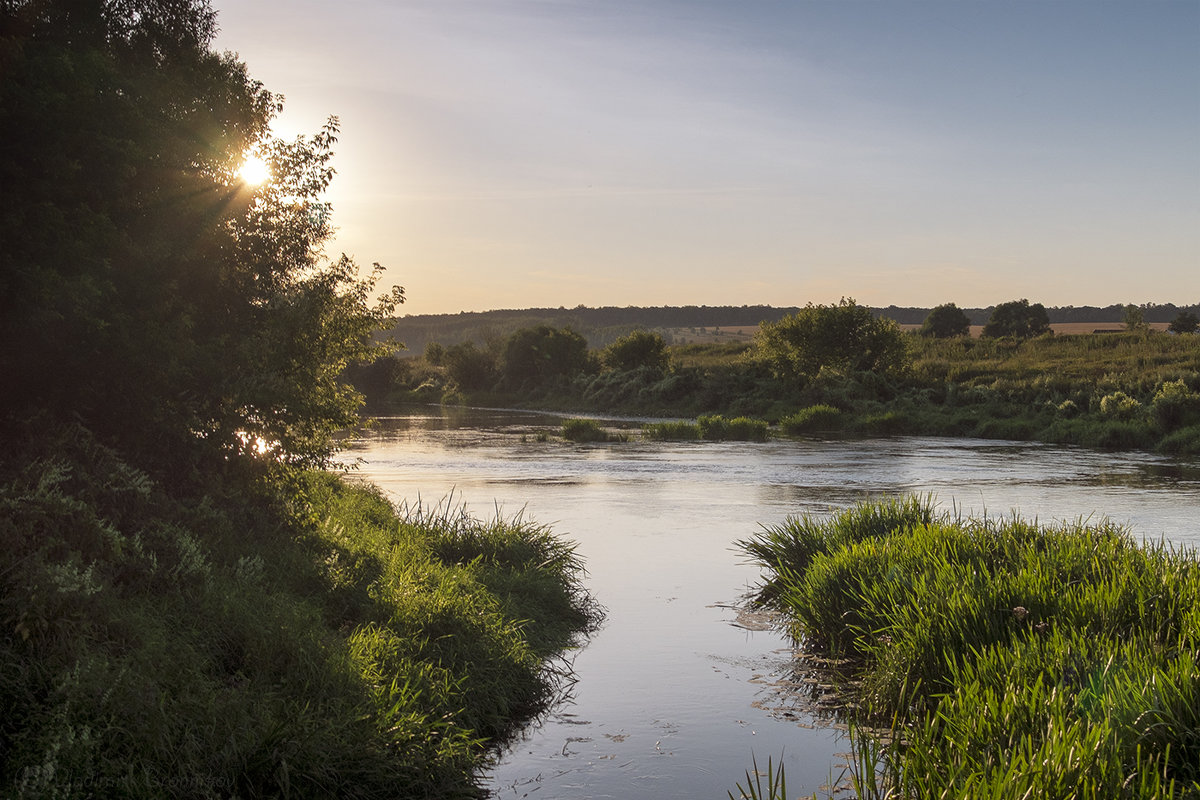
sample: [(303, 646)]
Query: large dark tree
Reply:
[(534, 356), (637, 349), (1018, 319), (1185, 322), (946, 321), (845, 337), (144, 289)]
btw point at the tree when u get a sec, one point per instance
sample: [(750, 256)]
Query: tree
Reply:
[(946, 321), (1135, 319), (470, 368), (1018, 319), (845, 337), (144, 289), (538, 354), (637, 349), (1185, 322)]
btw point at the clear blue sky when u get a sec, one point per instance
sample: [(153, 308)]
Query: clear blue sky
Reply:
[(515, 153)]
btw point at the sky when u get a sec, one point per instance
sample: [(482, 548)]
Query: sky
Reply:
[(555, 153)]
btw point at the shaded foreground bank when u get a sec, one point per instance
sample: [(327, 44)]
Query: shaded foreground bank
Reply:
[(1006, 660), (297, 640)]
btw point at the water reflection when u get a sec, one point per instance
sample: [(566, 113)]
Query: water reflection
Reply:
[(676, 694)]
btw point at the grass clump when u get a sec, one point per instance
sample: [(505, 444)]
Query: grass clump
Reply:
[(739, 429), (258, 639), (1009, 659), (815, 418), (584, 430), (671, 431)]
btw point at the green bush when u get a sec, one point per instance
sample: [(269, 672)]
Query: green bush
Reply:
[(1119, 405), (820, 417), (1175, 405)]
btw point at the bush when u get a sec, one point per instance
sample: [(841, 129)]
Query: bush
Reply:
[(1119, 405), (1175, 405), (814, 418)]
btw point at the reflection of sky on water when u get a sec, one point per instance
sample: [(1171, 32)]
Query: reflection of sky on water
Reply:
[(664, 704)]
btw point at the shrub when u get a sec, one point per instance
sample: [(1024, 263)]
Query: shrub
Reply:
[(1175, 405), (1068, 409), (814, 418), (1119, 405)]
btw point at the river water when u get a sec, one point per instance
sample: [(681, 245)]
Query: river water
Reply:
[(678, 693)]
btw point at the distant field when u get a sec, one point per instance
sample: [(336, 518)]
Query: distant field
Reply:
[(736, 333)]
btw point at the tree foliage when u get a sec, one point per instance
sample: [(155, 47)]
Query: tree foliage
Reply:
[(144, 288), (637, 349), (470, 368), (541, 353), (1186, 322), (1135, 319), (945, 322), (845, 337), (1018, 319)]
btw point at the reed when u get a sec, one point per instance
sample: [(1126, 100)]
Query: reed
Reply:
[(1011, 659)]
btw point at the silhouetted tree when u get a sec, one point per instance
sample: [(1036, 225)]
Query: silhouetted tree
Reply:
[(946, 321), (145, 289), (844, 337), (1018, 319)]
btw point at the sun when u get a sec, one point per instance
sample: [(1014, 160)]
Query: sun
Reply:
[(255, 170)]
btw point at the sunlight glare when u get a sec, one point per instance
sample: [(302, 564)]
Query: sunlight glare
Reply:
[(255, 170)]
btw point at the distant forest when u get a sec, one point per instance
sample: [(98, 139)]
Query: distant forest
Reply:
[(601, 326)]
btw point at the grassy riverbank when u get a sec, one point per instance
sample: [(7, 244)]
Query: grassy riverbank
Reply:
[(1112, 390), (1007, 659), (261, 637)]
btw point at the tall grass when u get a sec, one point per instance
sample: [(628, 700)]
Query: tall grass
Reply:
[(1010, 659), (307, 643)]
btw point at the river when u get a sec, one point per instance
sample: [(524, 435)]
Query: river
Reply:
[(678, 692)]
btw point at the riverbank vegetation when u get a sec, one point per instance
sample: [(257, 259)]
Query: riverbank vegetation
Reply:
[(189, 606), (1135, 390), (239, 641), (998, 658)]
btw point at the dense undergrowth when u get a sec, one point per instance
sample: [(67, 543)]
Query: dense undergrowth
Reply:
[(1002, 659), (294, 639)]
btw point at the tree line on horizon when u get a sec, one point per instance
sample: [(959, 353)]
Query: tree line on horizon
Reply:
[(601, 326)]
